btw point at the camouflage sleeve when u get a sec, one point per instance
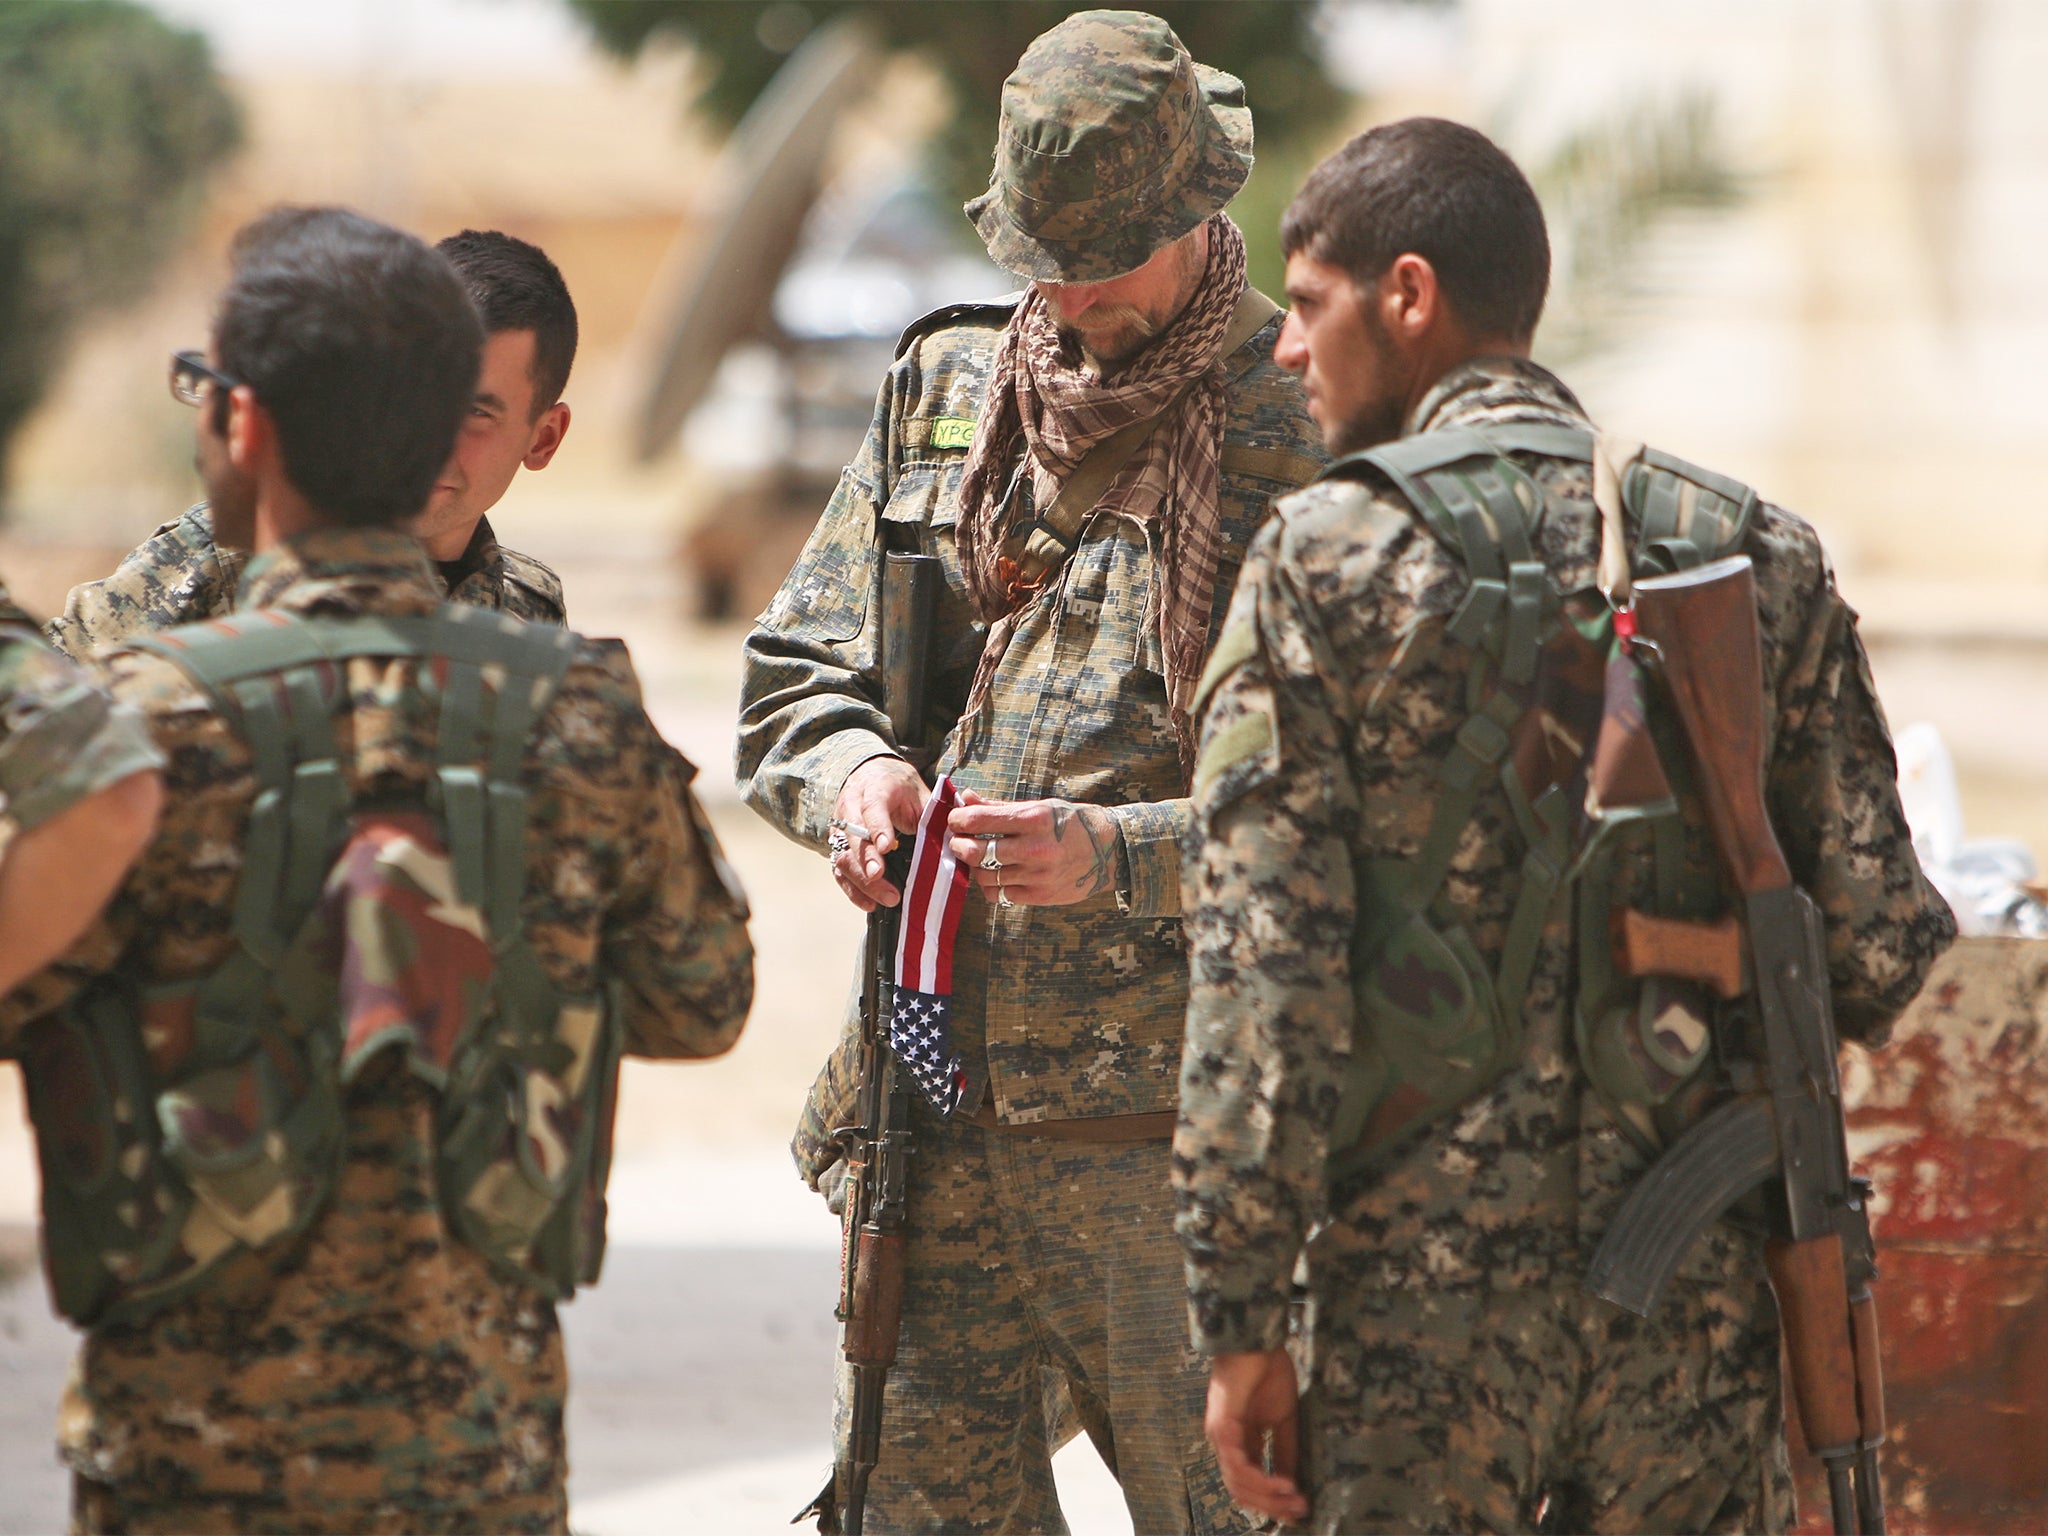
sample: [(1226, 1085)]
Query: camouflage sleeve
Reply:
[(1270, 903), (675, 936), (1835, 801), (1153, 831), (177, 575), (810, 691), (184, 736), (61, 737)]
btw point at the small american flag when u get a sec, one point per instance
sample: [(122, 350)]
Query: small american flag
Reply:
[(920, 1031)]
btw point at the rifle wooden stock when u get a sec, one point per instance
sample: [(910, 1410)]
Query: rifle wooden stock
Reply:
[(1703, 624), (1708, 953)]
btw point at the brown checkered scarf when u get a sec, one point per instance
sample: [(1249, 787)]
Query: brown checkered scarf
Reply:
[(1050, 394)]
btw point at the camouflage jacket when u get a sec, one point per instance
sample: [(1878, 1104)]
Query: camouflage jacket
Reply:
[(1338, 632), (376, 1362), (1060, 1012), (61, 737), (178, 575)]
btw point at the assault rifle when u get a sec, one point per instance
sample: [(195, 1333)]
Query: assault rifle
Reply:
[(1784, 1123), (878, 1146)]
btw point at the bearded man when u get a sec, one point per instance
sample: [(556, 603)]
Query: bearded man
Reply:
[(1088, 462)]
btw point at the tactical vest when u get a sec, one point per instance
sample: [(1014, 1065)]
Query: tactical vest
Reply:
[(1435, 1026), (181, 1124)]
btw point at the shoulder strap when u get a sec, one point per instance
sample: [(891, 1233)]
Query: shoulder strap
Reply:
[(1253, 310), (266, 674), (1687, 515), (1405, 461), (276, 676), (1485, 510)]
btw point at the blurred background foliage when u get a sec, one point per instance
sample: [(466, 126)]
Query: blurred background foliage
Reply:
[(110, 121), (1609, 188), (974, 44)]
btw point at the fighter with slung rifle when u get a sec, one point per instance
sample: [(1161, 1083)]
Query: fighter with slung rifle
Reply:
[(1449, 850)]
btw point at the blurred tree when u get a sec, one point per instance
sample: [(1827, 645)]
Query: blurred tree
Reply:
[(974, 44), (110, 121), (1608, 190)]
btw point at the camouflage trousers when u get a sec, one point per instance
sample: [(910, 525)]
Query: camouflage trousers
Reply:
[(100, 1510), (1042, 1275), (1545, 1409)]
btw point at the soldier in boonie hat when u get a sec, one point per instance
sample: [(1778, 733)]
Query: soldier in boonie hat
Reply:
[(1113, 143), (1088, 462)]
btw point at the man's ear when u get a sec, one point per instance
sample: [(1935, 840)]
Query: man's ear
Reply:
[(1411, 302), (547, 437), (249, 429)]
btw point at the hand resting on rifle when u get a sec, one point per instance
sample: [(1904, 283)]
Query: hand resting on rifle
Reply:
[(884, 795)]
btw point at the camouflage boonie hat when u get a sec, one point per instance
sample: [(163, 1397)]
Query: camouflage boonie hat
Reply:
[(1113, 144)]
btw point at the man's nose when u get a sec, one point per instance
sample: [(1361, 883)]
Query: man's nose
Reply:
[(1070, 301), (1290, 351)]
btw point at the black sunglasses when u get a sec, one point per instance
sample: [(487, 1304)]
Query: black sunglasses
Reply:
[(190, 376)]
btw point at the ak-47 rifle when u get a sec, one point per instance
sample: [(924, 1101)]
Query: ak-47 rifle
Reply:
[(1785, 1122), (878, 1145)]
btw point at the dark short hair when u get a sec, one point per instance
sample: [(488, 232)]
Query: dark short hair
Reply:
[(362, 347), (1448, 194), (516, 288)]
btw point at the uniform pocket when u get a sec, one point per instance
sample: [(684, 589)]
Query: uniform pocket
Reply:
[(1428, 1033)]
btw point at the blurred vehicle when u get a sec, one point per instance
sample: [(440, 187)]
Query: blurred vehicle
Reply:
[(781, 323)]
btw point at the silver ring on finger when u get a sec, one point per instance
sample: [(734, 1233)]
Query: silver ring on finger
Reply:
[(1002, 896), (988, 854), (837, 843)]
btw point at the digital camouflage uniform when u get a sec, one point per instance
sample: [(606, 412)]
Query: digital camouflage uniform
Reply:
[(178, 575), (1456, 1374), (376, 1374), (1061, 1013)]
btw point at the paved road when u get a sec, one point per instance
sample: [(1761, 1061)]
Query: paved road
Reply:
[(701, 1366)]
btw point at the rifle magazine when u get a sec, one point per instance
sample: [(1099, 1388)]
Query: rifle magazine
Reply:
[(1706, 1170)]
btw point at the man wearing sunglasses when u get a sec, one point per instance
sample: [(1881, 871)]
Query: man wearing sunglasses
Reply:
[(324, 1135), (181, 573)]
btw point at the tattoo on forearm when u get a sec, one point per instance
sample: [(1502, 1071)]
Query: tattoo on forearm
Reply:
[(1101, 872)]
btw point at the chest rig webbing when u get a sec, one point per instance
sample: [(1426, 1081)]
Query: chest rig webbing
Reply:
[(179, 1124), (1436, 1026)]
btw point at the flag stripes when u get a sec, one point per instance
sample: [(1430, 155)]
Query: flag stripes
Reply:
[(933, 900)]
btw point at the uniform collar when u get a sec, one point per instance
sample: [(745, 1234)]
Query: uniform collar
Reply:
[(343, 570), (1489, 389), (478, 558)]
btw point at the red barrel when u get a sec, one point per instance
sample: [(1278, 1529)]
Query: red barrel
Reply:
[(1950, 1122)]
